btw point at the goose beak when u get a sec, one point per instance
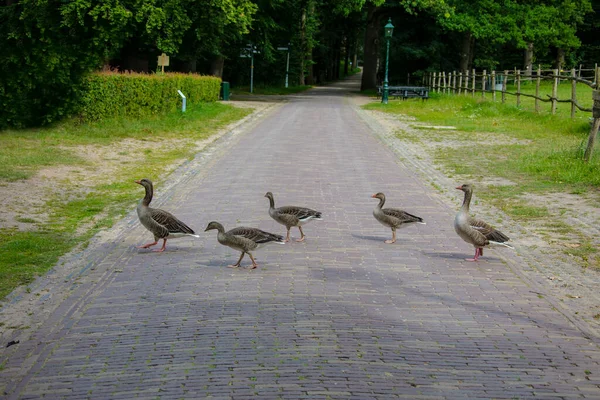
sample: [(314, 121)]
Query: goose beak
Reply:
[(374, 196), (138, 182), (459, 187)]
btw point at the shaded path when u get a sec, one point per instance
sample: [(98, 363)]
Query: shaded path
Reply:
[(342, 315)]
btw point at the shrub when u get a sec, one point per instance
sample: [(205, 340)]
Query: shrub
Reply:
[(112, 94)]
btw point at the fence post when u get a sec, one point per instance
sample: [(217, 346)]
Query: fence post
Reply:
[(494, 85), (483, 77), (433, 82), (460, 79), (554, 91), (473, 83), (439, 81), (537, 89), (466, 81), (596, 114), (573, 92), (504, 78), (444, 78), (518, 73), (453, 82)]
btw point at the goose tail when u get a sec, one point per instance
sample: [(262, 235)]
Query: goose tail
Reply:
[(494, 243)]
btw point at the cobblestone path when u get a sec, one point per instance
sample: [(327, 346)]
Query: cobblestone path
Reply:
[(341, 315)]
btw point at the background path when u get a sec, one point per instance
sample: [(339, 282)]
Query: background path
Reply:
[(342, 315)]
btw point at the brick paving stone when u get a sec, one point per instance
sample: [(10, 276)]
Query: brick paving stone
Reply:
[(341, 315)]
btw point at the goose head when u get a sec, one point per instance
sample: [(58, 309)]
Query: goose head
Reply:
[(467, 188), (269, 196), (379, 196), (214, 225), (147, 183)]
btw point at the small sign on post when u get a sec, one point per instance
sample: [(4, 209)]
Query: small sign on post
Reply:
[(163, 61)]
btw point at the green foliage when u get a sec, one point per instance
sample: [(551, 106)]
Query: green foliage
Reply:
[(47, 47), (110, 94)]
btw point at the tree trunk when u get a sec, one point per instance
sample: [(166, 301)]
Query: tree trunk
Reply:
[(347, 56), (466, 56), (559, 62), (216, 66), (371, 56), (355, 52), (302, 80), (528, 59)]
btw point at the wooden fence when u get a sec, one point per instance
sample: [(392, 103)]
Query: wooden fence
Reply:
[(495, 83)]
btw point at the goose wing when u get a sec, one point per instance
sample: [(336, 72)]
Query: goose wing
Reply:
[(401, 215), (299, 212), (256, 235), (169, 221), (488, 231)]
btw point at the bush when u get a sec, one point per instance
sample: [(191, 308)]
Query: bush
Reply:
[(112, 94)]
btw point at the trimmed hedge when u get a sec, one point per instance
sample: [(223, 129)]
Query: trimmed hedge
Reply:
[(112, 94)]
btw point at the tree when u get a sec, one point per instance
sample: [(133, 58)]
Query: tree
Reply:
[(48, 46)]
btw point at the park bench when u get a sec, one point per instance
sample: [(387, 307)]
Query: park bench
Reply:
[(405, 92)]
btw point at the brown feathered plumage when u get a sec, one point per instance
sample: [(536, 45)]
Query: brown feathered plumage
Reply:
[(244, 239), (162, 224), (475, 231), (291, 216), (393, 217)]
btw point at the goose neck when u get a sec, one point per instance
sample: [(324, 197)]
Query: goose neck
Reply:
[(148, 197), (467, 200)]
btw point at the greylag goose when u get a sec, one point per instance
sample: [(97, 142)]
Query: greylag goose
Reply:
[(162, 224), (475, 231), (393, 217), (244, 239), (291, 216)]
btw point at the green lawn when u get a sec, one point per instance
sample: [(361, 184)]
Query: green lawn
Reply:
[(538, 153), (74, 216)]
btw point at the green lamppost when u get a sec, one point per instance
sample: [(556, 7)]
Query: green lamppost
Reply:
[(389, 29)]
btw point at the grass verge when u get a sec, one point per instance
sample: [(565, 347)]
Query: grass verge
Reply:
[(519, 156), (149, 147)]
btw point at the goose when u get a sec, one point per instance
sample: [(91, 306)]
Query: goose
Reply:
[(475, 231), (244, 239), (162, 224), (393, 217), (292, 216)]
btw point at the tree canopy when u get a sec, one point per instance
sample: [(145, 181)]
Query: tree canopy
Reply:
[(48, 46)]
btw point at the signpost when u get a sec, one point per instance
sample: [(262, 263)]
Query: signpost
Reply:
[(163, 61), (249, 51), (287, 66)]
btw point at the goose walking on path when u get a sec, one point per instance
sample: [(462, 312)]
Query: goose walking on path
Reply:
[(475, 231), (162, 224), (291, 216), (244, 239), (393, 217)]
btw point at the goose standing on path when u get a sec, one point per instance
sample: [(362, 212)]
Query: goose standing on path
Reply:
[(476, 231), (162, 224), (244, 239), (393, 217), (291, 216)]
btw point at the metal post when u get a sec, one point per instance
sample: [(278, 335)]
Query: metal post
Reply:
[(384, 97), (251, 69), (287, 68), (182, 100)]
